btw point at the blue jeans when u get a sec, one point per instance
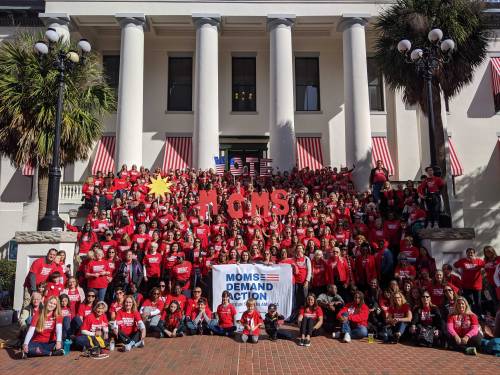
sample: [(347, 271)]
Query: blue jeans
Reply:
[(390, 331), (66, 327), (40, 349), (203, 326), (356, 331), (101, 293), (219, 331), (376, 187)]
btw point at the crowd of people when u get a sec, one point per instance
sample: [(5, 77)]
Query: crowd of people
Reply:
[(145, 265)]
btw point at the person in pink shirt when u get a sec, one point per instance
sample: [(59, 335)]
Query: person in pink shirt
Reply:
[(463, 328)]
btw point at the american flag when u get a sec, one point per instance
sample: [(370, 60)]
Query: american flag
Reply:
[(252, 162), (270, 277), (265, 168), (220, 164), (236, 167)]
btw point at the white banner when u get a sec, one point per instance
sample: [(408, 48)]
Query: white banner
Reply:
[(266, 284)]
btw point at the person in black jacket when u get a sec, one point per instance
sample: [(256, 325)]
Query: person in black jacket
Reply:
[(272, 321), (378, 176), (426, 324), (129, 272)]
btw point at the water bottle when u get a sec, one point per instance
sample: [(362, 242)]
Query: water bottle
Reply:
[(67, 346), (112, 345)]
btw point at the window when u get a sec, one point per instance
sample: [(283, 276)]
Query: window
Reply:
[(244, 84), (111, 69), (307, 84), (375, 86), (180, 84)]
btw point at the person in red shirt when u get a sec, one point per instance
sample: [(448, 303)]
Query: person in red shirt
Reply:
[(54, 286), (171, 321), (472, 279), (152, 266), (310, 320), (192, 303), (354, 319), (97, 273), (177, 295), (463, 328), (181, 273), (200, 321), (66, 315), (39, 272), (129, 327), (491, 261), (365, 267), (378, 176), (430, 190), (226, 317), (398, 317), (94, 328), (303, 277), (151, 310), (86, 239), (404, 270), (252, 322), (319, 269), (44, 336)]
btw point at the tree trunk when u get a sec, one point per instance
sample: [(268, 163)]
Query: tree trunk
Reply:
[(43, 187)]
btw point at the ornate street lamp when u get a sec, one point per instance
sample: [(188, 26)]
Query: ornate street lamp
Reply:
[(64, 60), (427, 61)]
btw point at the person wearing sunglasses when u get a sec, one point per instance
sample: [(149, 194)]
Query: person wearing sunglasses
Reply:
[(151, 311), (117, 304), (84, 310), (192, 303), (426, 323)]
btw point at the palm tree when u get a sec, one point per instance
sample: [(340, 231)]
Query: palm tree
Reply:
[(28, 97), (461, 20)]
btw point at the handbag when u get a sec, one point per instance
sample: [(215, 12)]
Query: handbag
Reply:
[(426, 336)]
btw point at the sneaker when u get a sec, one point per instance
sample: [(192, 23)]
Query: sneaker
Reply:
[(58, 352), (336, 335), (307, 342), (139, 344), (302, 342), (24, 355), (127, 347), (471, 351), (180, 334), (347, 337)]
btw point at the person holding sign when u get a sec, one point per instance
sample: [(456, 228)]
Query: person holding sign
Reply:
[(251, 322), (310, 320)]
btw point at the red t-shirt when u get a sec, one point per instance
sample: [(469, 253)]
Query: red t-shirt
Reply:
[(152, 264), (226, 315), (471, 273), (181, 298), (309, 312), (128, 321), (96, 266), (49, 328), (41, 269), (84, 310), (92, 322), (252, 319), (399, 312), (74, 301)]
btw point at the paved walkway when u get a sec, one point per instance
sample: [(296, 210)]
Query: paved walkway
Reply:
[(220, 355)]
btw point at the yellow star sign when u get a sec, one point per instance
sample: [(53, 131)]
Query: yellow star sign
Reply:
[(159, 187)]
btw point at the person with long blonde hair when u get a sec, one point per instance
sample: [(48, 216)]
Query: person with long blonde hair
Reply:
[(463, 328), (398, 317), (129, 327), (44, 337)]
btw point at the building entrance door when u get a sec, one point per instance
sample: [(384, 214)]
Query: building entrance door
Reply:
[(243, 151)]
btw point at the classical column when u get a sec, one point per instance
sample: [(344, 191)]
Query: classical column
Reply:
[(281, 81), (206, 98), (130, 91), (59, 22), (357, 106)]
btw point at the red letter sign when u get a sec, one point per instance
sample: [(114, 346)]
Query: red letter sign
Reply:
[(280, 202), (260, 201), (235, 214), (208, 198)]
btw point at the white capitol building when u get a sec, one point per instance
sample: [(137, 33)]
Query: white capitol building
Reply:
[(288, 80)]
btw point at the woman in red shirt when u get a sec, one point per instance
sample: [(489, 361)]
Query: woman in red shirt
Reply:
[(463, 328), (310, 320), (398, 317), (319, 269), (44, 336), (225, 315), (354, 319), (491, 260), (171, 321), (97, 273), (472, 278), (94, 328), (129, 327)]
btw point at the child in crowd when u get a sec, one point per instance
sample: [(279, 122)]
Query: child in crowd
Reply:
[(252, 322), (272, 322)]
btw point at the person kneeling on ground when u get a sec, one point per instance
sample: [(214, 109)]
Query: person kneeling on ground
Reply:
[(200, 322), (310, 320), (272, 322), (463, 328), (44, 336), (94, 330), (251, 322), (129, 327), (354, 319)]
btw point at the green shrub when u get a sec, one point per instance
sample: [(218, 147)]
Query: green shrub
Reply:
[(7, 275)]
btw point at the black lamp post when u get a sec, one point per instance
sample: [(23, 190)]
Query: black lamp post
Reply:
[(427, 61), (63, 60)]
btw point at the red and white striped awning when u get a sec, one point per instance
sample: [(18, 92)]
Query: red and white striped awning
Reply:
[(380, 151), (178, 153), (105, 155), (495, 78), (28, 170), (456, 166), (309, 153)]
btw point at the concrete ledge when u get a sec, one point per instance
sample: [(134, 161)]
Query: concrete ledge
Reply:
[(443, 234), (46, 237)]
